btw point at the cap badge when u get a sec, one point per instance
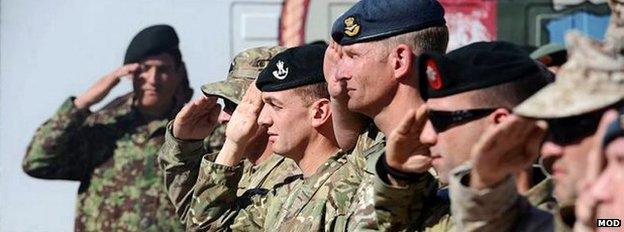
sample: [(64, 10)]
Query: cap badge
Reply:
[(280, 73), (433, 75), (352, 28)]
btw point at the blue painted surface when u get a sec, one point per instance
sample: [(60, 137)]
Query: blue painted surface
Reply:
[(590, 24)]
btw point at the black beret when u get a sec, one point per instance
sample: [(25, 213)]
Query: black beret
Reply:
[(151, 41), (370, 20), (292, 68), (475, 66)]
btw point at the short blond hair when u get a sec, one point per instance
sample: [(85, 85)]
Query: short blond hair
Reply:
[(433, 39)]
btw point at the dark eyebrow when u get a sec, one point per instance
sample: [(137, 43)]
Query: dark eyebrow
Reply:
[(272, 100)]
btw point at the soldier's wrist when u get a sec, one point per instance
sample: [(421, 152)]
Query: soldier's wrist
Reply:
[(481, 181), (398, 175), (231, 153), (80, 103)]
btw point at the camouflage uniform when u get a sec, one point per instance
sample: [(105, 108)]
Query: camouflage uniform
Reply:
[(500, 208), (113, 154), (181, 161), (369, 138), (379, 206), (541, 195), (429, 210), (316, 203)]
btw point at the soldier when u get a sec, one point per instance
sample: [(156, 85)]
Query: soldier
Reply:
[(297, 117), (467, 94), (181, 155), (112, 152), (588, 84), (381, 29), (600, 191), (373, 75)]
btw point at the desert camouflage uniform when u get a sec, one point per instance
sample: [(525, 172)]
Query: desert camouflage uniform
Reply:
[(113, 154), (541, 195), (316, 203), (499, 208), (181, 160)]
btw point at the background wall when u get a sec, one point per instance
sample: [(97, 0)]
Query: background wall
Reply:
[(53, 49)]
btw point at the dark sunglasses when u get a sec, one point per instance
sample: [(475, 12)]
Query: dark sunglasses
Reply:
[(443, 120), (568, 130), (229, 106)]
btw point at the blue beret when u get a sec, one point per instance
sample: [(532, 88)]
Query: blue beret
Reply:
[(294, 67), (475, 66), (151, 41), (370, 20)]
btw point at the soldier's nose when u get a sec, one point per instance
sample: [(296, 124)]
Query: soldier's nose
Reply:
[(264, 119), (550, 149), (224, 117), (428, 135)]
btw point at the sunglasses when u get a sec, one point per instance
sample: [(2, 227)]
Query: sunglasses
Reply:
[(568, 130), (443, 120), (229, 106)]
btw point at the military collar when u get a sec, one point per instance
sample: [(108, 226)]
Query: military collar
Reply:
[(127, 114), (372, 155), (541, 192)]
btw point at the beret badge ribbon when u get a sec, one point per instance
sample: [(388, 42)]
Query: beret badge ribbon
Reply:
[(433, 75)]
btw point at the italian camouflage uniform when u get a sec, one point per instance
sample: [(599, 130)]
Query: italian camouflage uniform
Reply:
[(112, 153)]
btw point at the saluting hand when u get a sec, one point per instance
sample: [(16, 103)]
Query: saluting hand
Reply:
[(504, 149), (102, 87), (404, 151), (241, 128), (243, 124), (197, 119), (337, 89)]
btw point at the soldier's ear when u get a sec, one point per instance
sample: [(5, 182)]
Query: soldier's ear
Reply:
[(499, 115), (321, 112), (401, 59)]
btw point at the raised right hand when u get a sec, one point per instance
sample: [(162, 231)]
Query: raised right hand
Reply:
[(243, 125), (337, 89), (197, 119), (404, 151), (505, 149), (102, 87)]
